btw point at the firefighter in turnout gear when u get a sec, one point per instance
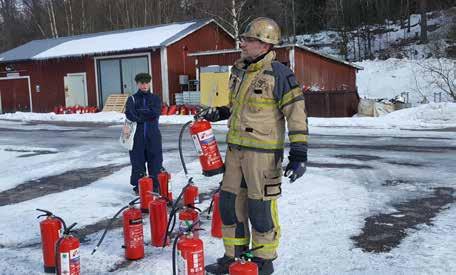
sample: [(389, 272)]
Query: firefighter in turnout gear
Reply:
[(263, 95)]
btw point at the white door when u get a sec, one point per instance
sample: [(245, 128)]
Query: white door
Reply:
[(75, 90)]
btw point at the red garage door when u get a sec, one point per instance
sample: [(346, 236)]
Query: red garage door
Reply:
[(14, 95)]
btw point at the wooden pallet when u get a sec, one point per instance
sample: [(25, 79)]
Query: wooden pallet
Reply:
[(115, 103)]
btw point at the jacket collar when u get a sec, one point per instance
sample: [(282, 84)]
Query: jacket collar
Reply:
[(267, 59), (140, 93)]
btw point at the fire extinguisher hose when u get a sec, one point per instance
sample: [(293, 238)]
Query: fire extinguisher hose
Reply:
[(211, 205), (174, 210), (181, 134), (111, 221), (174, 253), (181, 155)]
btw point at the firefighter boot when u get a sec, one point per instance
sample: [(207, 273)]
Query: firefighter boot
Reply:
[(265, 267), (221, 266)]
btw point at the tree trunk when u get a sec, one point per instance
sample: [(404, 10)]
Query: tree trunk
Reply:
[(294, 20), (83, 17), (423, 22), (71, 16), (408, 15)]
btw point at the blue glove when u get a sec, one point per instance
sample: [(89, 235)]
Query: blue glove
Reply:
[(295, 170)]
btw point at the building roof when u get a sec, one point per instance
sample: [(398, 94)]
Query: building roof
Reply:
[(283, 46), (104, 42)]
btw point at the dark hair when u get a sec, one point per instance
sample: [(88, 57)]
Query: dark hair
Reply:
[(143, 78)]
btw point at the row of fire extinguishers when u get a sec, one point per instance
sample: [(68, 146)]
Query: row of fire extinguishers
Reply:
[(61, 249)]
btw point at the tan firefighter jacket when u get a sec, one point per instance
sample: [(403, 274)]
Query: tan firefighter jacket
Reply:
[(262, 96)]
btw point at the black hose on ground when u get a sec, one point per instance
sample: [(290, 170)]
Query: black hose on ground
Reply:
[(111, 222)]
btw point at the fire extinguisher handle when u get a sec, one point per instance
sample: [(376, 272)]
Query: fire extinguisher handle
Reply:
[(68, 230), (46, 213), (248, 253), (194, 207), (133, 201), (198, 114)]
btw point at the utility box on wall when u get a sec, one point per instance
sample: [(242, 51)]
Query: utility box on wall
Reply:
[(214, 85)]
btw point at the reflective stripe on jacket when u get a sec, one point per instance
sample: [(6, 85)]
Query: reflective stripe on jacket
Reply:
[(262, 96)]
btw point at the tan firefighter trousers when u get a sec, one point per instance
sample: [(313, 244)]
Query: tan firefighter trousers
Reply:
[(250, 188)]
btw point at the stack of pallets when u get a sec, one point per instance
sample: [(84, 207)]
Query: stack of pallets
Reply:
[(116, 103)]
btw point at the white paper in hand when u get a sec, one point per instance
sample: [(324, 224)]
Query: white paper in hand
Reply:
[(127, 135)]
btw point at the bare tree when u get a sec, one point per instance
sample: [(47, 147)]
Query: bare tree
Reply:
[(52, 21), (230, 14), (441, 74)]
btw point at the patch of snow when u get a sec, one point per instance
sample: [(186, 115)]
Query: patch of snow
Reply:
[(387, 79), (432, 115)]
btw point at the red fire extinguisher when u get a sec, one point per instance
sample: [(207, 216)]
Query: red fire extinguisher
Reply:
[(189, 216), (175, 209), (158, 217), (243, 264), (205, 145), (145, 189), (191, 194), (216, 223), (165, 187), (51, 229), (132, 229), (190, 258), (67, 253)]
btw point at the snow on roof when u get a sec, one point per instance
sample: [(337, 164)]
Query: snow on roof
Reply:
[(105, 42)]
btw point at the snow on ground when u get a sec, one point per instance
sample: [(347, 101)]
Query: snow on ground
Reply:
[(318, 214), (101, 117), (47, 164), (389, 78), (433, 115)]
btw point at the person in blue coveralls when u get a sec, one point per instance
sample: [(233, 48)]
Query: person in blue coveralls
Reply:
[(144, 108)]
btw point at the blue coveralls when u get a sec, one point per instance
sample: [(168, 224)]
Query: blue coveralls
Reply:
[(147, 147)]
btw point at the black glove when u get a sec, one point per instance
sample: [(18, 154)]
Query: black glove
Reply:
[(295, 170), (211, 114)]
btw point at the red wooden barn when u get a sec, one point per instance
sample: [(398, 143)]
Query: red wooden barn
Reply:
[(331, 82), (86, 69)]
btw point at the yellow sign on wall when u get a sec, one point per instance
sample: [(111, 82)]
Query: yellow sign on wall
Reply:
[(214, 85)]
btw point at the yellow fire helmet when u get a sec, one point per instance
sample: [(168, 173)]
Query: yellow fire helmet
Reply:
[(263, 29)]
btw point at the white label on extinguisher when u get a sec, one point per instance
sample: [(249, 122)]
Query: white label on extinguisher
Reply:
[(206, 136), (197, 144), (74, 261), (65, 263), (181, 264)]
